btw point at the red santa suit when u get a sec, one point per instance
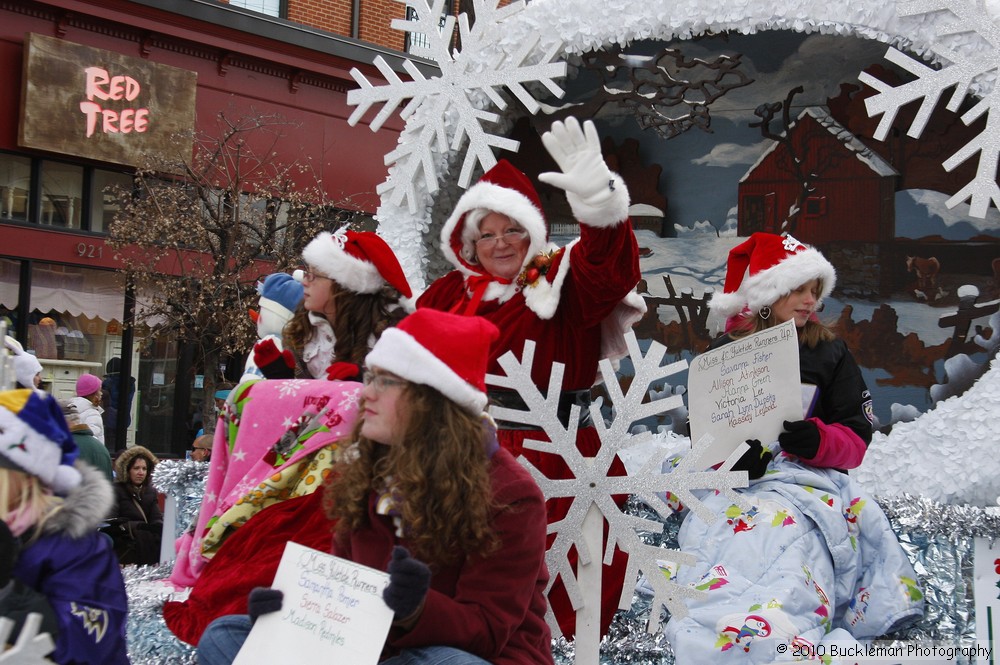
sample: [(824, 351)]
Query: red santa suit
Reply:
[(576, 311)]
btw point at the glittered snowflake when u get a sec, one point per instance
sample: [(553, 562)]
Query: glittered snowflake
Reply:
[(969, 45), (443, 111), (592, 484), (31, 648)]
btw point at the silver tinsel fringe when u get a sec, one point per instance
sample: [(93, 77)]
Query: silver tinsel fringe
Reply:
[(938, 538), (150, 642), (185, 481)]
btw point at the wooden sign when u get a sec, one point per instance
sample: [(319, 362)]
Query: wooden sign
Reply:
[(745, 390), (332, 612), (87, 102)]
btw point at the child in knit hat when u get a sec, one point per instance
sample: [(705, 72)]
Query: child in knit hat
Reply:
[(52, 507), (27, 369)]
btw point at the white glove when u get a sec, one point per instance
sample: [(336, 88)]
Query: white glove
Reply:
[(597, 197), (577, 151)]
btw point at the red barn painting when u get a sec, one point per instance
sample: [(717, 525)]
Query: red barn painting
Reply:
[(823, 185)]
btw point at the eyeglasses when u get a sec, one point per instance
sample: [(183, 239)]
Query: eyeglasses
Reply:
[(381, 381), (310, 275), (510, 236)]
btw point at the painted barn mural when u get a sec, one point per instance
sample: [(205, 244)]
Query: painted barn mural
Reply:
[(722, 136)]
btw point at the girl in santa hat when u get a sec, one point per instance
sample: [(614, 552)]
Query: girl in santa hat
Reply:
[(445, 544), (353, 289), (574, 302), (52, 557), (771, 279)]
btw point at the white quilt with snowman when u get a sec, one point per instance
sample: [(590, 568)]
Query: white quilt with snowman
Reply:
[(809, 571)]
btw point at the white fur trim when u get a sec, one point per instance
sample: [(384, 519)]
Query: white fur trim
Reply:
[(609, 210), (327, 256), (619, 322), (490, 196), (768, 286), (543, 298), (400, 353)]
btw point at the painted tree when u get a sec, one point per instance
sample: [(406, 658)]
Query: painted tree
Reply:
[(197, 232), (806, 155)]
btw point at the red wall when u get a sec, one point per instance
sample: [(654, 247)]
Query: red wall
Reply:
[(349, 160)]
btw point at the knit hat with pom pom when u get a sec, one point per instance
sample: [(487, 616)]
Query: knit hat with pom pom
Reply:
[(35, 439)]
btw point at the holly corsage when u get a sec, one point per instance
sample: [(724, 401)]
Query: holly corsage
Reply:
[(535, 270)]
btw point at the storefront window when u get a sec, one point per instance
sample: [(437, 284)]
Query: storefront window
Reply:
[(15, 187), (103, 201), (62, 195), (9, 277), (156, 372)]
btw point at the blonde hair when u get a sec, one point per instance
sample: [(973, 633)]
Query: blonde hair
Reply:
[(811, 334), (33, 502)]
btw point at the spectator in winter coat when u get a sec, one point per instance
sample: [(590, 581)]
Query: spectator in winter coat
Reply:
[(466, 558), (110, 387), (53, 508), (91, 450), (137, 513), (88, 404)]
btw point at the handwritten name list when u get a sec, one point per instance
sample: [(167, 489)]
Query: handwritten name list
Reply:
[(332, 608), (744, 390)]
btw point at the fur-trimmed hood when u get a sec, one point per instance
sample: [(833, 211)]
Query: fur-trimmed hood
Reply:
[(125, 458), (85, 507)]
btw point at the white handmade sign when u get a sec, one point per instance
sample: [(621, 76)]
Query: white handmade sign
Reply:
[(332, 612), (745, 390)]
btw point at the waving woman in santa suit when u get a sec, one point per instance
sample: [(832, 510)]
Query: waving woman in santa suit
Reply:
[(574, 302)]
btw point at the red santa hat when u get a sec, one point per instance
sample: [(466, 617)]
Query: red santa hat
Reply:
[(766, 267), (502, 189), (359, 261), (445, 351)]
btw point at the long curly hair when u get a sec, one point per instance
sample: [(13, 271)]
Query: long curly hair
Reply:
[(360, 318), (441, 472)]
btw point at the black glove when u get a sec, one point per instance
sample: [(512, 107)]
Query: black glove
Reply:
[(800, 438), (9, 549), (263, 600), (753, 461), (409, 581)]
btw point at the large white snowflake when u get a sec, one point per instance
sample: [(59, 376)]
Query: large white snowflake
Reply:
[(592, 484), (31, 647), (970, 48), (449, 108)]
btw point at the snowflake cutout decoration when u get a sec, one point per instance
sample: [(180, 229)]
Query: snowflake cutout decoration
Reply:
[(447, 109), (592, 485), (31, 648), (967, 69)]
